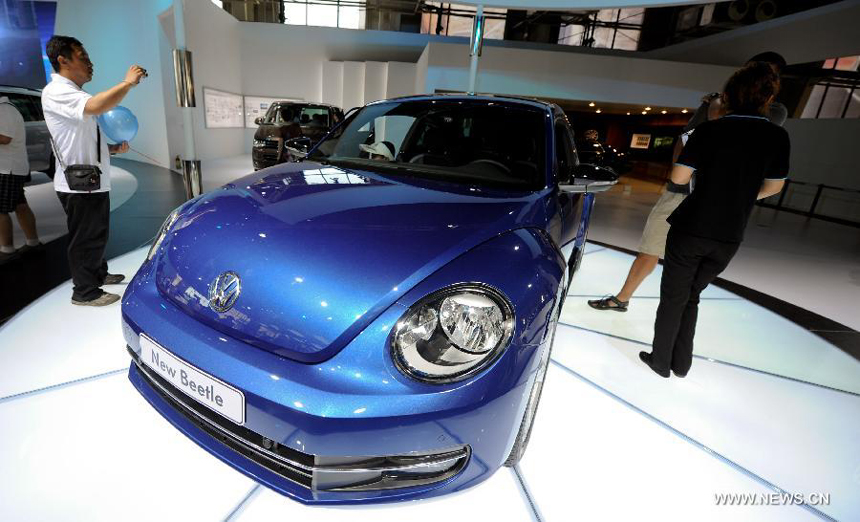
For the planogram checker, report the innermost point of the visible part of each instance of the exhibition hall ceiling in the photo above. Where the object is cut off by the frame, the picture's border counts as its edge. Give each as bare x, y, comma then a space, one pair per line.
577, 4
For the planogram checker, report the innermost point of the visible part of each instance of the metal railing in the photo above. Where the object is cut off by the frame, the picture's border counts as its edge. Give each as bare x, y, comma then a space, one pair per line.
816, 199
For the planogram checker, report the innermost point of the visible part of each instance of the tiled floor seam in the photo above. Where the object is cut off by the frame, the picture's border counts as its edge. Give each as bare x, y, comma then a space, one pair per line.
725, 460
658, 297
716, 361
526, 493
60, 386
240, 507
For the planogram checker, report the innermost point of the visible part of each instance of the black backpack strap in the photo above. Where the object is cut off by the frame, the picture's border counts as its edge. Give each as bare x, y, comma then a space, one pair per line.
98, 143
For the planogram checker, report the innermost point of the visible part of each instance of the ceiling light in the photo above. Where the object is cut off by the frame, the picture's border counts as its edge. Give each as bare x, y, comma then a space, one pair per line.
591, 104
597, 111
662, 112
647, 108
628, 114
684, 111
643, 112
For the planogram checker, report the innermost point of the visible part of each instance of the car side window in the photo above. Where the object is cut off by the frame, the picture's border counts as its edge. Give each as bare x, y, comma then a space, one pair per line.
564, 152
29, 106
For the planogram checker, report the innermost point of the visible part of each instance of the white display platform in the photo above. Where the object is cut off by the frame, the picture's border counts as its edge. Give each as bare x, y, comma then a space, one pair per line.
612, 441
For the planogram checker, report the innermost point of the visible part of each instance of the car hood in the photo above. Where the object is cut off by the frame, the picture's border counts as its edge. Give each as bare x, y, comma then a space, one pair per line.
322, 251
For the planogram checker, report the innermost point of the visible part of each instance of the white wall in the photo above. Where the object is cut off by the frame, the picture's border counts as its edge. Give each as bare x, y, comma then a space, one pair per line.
288, 60
421, 68
213, 37
375, 81
400, 80
115, 38
353, 85
332, 84
571, 75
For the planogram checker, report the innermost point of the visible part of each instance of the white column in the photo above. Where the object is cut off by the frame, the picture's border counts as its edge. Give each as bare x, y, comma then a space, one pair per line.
475, 46
190, 165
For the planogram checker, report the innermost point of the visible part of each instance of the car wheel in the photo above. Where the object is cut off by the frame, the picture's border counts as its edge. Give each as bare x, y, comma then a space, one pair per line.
522, 440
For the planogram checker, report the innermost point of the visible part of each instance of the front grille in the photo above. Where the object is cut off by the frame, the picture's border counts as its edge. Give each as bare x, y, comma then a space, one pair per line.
271, 144
329, 473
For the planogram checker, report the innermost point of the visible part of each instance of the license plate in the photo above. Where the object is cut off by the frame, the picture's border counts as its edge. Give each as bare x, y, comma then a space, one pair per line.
200, 386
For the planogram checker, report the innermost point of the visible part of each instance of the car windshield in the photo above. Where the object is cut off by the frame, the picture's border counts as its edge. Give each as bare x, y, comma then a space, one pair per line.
478, 142
295, 113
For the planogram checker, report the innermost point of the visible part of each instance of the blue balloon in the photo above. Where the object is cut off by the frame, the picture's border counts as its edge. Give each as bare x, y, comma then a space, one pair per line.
119, 124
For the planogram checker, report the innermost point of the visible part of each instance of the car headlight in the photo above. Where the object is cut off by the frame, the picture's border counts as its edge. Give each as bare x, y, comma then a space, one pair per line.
259, 143
452, 334
162, 233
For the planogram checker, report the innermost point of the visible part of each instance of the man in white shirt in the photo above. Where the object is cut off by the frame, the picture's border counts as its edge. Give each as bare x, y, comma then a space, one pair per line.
14, 172
70, 114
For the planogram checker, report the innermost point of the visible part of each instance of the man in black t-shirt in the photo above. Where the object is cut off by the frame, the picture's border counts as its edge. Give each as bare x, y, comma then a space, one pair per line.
738, 159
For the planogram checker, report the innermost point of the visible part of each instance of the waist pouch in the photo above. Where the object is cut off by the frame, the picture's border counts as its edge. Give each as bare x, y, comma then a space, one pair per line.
84, 177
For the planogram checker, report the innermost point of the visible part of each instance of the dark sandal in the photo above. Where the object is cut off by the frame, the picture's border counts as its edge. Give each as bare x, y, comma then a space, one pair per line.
604, 304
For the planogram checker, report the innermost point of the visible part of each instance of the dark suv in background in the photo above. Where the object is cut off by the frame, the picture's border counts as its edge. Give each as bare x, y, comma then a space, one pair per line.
291, 125
29, 104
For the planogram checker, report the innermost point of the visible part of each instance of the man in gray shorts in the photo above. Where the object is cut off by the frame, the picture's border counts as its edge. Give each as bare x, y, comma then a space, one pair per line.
653, 244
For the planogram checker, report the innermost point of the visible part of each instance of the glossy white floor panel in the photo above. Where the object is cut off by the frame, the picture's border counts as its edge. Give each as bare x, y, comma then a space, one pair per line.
498, 498
593, 458
98, 451
52, 341
729, 329
800, 437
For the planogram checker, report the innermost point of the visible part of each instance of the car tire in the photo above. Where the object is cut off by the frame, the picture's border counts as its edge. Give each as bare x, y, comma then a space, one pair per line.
525, 431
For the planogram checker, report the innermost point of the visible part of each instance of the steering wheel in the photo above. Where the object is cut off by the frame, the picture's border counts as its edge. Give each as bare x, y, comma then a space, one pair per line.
417, 158
504, 168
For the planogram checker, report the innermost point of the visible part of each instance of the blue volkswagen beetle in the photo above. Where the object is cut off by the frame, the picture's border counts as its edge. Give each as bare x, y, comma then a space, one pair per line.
373, 323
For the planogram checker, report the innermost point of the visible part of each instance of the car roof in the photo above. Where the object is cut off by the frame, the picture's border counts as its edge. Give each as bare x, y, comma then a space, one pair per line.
314, 104
496, 98
14, 89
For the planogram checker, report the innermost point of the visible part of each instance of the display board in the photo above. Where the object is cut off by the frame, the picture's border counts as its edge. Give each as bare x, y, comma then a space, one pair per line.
223, 110
256, 107
640, 141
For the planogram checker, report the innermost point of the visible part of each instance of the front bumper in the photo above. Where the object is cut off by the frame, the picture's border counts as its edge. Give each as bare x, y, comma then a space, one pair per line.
265, 157
347, 430
314, 472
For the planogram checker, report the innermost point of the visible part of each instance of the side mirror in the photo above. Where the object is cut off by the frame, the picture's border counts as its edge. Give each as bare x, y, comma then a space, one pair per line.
296, 154
302, 144
258, 120
590, 178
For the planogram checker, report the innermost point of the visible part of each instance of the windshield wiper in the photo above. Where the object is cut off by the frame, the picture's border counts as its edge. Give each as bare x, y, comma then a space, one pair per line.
367, 165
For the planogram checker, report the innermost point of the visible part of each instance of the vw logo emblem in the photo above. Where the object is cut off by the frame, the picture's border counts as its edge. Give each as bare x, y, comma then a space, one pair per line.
224, 291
